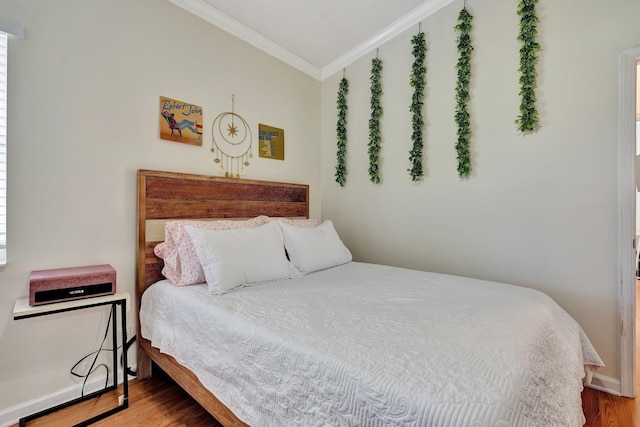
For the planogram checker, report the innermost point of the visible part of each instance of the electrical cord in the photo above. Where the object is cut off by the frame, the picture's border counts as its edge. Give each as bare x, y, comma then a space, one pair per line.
130, 371
93, 366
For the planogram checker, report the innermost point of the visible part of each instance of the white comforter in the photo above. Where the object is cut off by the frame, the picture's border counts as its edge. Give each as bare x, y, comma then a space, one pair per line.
370, 345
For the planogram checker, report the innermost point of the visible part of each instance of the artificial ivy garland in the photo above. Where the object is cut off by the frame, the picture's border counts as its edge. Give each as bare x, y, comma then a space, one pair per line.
341, 129
374, 121
528, 121
418, 72
462, 92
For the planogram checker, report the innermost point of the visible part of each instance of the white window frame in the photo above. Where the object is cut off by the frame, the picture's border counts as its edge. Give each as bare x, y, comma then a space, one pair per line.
3, 147
6, 30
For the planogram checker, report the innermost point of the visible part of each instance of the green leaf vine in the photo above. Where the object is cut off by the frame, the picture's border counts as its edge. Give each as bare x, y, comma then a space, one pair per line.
418, 73
341, 130
374, 121
528, 120
462, 92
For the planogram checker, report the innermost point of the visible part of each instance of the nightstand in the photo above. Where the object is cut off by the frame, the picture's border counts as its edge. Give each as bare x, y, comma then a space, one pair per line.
22, 310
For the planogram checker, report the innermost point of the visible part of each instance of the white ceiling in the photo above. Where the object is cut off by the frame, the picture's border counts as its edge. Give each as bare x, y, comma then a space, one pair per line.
319, 37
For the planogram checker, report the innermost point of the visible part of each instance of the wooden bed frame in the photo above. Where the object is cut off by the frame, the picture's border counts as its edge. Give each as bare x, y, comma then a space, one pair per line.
164, 196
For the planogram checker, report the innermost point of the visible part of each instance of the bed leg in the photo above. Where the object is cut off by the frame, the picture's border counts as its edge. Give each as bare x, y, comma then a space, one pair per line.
143, 368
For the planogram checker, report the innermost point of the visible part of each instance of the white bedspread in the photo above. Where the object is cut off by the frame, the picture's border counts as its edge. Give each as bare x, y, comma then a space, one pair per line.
371, 345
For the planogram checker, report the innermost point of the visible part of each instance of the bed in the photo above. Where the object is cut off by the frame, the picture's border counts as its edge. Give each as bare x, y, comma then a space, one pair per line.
387, 346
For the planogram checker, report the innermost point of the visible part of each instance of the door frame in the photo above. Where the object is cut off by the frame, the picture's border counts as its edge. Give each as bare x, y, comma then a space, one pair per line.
627, 219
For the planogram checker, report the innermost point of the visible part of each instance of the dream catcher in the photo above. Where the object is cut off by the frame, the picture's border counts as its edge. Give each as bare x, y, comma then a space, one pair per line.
231, 143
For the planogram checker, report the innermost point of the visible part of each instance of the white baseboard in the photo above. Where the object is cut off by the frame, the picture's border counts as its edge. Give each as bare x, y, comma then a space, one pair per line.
11, 416
605, 384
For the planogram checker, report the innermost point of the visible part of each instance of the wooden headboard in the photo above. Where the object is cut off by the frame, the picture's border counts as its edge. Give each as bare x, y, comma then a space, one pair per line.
164, 196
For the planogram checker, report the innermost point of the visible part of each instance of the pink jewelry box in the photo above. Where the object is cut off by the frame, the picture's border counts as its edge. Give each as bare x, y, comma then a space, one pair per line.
66, 284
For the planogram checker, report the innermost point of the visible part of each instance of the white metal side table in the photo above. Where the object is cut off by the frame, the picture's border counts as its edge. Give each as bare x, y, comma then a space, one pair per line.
22, 310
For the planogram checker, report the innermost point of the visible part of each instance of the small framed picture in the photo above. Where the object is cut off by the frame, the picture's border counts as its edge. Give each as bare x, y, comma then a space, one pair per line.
180, 121
270, 142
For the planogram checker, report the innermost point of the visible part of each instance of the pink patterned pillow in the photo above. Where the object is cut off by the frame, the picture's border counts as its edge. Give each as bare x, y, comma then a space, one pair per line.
181, 264
311, 222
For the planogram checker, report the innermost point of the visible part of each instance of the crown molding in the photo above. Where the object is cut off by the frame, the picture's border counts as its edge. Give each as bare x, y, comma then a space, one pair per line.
223, 21
407, 21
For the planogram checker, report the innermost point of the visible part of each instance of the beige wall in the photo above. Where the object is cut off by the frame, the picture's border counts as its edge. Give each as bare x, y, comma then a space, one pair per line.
538, 210
83, 116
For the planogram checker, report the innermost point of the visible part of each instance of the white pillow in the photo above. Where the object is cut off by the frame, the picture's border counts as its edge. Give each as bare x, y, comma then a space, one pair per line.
314, 248
232, 258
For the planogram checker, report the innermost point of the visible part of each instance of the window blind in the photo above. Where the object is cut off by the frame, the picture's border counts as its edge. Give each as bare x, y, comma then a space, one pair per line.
3, 148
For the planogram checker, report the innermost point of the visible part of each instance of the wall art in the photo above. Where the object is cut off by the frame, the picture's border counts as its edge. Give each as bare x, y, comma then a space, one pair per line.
341, 131
528, 121
270, 142
231, 142
462, 116
180, 121
375, 139
417, 82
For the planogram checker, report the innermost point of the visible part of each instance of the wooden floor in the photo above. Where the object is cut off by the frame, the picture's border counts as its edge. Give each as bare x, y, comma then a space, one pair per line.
159, 402
605, 410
